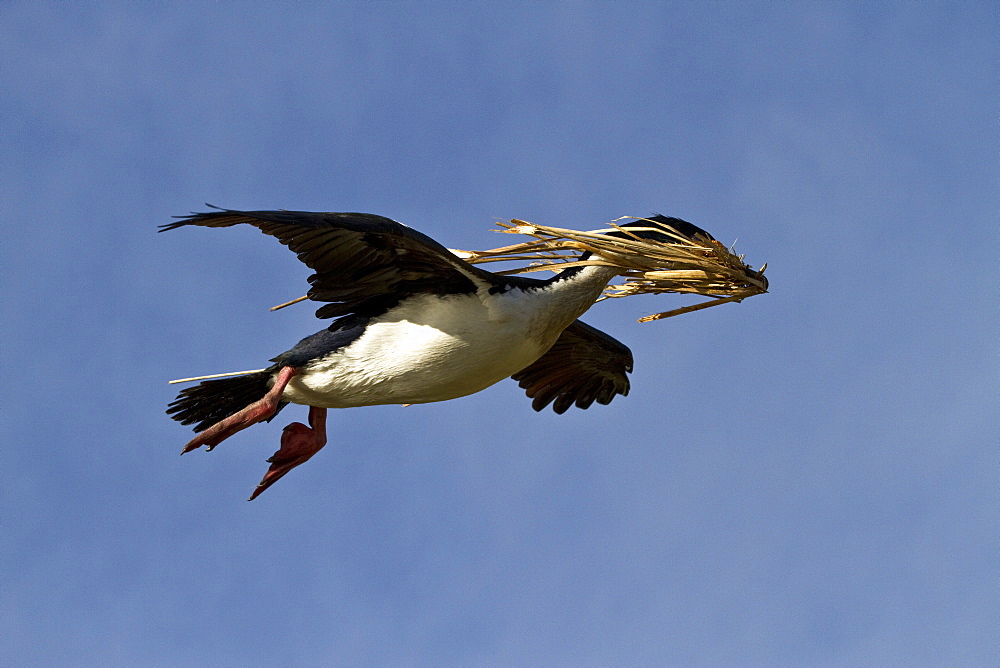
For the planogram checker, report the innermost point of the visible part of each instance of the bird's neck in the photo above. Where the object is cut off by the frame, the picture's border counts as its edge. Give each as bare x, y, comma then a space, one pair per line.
571, 292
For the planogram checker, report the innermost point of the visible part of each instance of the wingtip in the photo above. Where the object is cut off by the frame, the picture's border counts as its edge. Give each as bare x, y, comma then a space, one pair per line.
184, 220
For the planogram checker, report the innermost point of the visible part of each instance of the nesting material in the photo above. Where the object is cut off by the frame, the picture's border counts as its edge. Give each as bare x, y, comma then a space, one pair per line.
214, 375
691, 265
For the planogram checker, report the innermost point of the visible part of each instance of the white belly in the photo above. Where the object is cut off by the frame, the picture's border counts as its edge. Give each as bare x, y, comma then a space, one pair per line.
427, 350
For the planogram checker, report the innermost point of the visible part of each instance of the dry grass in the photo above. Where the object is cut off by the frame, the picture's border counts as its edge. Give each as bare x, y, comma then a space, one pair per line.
687, 265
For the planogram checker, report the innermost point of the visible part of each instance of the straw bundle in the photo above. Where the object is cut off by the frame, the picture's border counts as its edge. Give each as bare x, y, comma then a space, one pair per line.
693, 265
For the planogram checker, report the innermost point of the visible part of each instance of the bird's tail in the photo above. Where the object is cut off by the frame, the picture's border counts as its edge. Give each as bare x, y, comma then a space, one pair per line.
211, 401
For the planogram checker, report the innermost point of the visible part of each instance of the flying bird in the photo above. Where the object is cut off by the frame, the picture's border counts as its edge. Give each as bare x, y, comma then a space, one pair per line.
413, 323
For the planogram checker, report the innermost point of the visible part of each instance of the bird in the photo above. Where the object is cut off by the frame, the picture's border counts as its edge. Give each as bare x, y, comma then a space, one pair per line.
412, 323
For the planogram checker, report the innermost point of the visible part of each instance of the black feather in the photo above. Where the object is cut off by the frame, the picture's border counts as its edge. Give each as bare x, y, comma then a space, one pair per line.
214, 400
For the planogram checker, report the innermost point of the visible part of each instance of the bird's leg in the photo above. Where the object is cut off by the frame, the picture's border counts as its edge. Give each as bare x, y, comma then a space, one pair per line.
258, 411
298, 444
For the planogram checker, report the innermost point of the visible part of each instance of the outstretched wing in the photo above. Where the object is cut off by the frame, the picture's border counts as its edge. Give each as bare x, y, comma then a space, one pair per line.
585, 365
364, 263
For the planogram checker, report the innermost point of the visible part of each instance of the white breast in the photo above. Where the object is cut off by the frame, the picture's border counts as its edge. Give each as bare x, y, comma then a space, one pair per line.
435, 348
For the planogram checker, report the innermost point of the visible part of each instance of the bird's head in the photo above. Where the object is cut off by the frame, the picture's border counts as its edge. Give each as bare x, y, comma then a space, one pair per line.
649, 229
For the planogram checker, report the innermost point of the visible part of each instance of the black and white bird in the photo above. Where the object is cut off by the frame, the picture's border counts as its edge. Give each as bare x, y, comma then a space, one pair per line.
414, 323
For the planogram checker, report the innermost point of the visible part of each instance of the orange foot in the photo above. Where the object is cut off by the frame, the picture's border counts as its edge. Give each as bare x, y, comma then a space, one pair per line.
298, 444
258, 411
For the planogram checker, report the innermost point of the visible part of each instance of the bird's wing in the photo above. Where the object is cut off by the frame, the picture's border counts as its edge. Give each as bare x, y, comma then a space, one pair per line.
585, 365
364, 263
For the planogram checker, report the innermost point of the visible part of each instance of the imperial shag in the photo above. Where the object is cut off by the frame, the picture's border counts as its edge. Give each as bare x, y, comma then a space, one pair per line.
414, 323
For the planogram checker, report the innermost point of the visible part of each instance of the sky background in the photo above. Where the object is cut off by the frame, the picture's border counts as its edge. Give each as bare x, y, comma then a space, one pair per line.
809, 477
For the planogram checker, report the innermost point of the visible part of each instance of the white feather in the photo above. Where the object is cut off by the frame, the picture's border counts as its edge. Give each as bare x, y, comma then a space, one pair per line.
435, 348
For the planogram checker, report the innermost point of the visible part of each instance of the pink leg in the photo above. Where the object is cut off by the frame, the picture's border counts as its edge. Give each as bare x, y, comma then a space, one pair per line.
256, 412
298, 444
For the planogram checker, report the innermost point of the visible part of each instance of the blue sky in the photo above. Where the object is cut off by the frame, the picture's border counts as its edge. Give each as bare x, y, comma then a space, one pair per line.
805, 478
